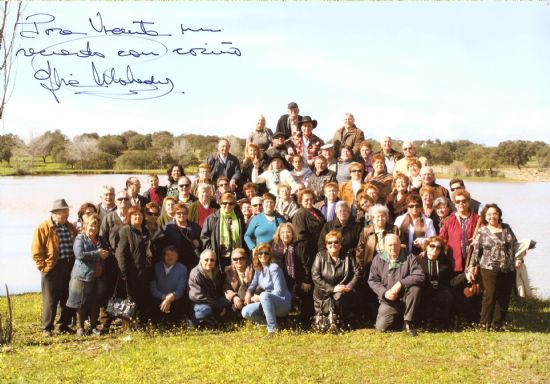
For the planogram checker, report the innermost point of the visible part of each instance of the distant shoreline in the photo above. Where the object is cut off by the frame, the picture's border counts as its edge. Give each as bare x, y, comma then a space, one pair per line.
513, 175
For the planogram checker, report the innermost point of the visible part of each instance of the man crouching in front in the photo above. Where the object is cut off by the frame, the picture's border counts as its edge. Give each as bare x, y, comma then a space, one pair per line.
395, 278
52, 250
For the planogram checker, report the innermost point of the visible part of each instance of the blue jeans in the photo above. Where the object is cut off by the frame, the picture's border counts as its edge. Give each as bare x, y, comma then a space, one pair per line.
204, 311
271, 307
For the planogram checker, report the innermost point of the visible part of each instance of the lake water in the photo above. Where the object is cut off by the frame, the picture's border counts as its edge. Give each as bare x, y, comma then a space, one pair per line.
26, 201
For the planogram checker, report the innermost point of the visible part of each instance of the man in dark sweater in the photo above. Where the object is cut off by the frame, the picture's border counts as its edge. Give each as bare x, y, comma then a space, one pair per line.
396, 278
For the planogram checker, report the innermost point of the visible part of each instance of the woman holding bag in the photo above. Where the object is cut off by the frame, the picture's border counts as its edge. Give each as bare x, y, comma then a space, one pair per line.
89, 250
493, 253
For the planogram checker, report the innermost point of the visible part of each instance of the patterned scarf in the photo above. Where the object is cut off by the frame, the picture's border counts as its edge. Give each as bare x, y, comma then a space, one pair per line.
285, 259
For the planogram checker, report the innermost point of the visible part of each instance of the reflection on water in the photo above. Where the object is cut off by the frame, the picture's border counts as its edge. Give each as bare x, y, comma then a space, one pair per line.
25, 202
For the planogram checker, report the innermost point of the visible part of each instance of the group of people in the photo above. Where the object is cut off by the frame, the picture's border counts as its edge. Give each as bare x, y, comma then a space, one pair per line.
330, 231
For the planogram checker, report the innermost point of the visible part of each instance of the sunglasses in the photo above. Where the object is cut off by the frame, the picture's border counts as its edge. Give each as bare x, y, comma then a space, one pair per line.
455, 188
123, 199
227, 203
333, 242
407, 149
181, 213
414, 206
256, 205
223, 185
433, 246
209, 260
239, 258
184, 185
355, 170
460, 201
263, 253
152, 213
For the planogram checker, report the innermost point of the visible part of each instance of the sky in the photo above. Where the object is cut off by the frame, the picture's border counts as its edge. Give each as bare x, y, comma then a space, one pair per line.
474, 71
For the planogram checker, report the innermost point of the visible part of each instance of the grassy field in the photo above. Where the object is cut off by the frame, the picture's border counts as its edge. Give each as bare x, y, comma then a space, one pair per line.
244, 354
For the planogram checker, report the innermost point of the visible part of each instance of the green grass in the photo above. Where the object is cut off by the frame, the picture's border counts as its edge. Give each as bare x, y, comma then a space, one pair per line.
244, 354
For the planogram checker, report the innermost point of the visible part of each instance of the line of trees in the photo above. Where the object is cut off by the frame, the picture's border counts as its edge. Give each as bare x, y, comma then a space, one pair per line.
132, 150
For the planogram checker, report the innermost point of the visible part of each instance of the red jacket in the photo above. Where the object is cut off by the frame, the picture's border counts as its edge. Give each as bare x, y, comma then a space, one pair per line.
452, 234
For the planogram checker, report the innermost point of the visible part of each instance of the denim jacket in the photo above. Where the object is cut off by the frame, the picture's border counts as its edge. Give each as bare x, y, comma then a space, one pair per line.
86, 257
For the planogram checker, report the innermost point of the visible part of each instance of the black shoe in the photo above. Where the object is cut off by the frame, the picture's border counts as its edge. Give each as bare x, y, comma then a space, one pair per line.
65, 329
409, 327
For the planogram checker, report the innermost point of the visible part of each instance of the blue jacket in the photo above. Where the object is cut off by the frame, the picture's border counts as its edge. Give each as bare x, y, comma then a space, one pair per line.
86, 257
175, 281
271, 279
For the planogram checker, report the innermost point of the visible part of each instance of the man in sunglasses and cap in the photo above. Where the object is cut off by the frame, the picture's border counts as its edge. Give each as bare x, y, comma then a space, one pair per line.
52, 251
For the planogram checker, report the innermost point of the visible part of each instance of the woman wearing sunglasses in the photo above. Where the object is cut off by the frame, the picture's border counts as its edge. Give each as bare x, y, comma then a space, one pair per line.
437, 298
414, 226
275, 300
238, 277
224, 230
334, 276
458, 231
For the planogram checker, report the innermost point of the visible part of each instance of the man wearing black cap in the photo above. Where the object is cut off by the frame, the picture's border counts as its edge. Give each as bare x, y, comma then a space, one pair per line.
290, 122
276, 175
52, 251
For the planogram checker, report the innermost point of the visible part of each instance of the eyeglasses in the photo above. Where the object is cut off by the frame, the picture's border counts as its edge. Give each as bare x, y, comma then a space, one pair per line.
227, 203
263, 253
414, 206
152, 213
123, 199
461, 201
241, 258
333, 242
181, 213
433, 246
184, 185
355, 170
407, 149
209, 260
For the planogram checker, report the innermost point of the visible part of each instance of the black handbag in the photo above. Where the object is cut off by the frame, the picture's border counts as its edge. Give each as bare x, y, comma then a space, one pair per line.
124, 308
327, 322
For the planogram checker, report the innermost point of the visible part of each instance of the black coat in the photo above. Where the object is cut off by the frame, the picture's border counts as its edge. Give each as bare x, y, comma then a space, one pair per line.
210, 234
283, 127
308, 228
182, 239
131, 259
231, 169
326, 275
350, 234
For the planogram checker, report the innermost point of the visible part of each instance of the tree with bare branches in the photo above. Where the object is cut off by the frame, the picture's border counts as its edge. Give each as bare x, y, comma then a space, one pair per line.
10, 13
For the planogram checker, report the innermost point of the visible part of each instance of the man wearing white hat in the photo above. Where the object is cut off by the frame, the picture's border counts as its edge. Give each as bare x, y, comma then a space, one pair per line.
52, 251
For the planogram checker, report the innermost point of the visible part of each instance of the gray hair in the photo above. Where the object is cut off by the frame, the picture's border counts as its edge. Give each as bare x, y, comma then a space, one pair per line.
203, 186
342, 203
377, 209
109, 187
441, 200
207, 252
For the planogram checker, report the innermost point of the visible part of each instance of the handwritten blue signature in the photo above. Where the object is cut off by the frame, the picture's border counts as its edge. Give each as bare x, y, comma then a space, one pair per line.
116, 81
51, 80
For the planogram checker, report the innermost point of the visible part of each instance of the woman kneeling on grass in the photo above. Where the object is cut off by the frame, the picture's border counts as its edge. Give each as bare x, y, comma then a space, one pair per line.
89, 250
275, 300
